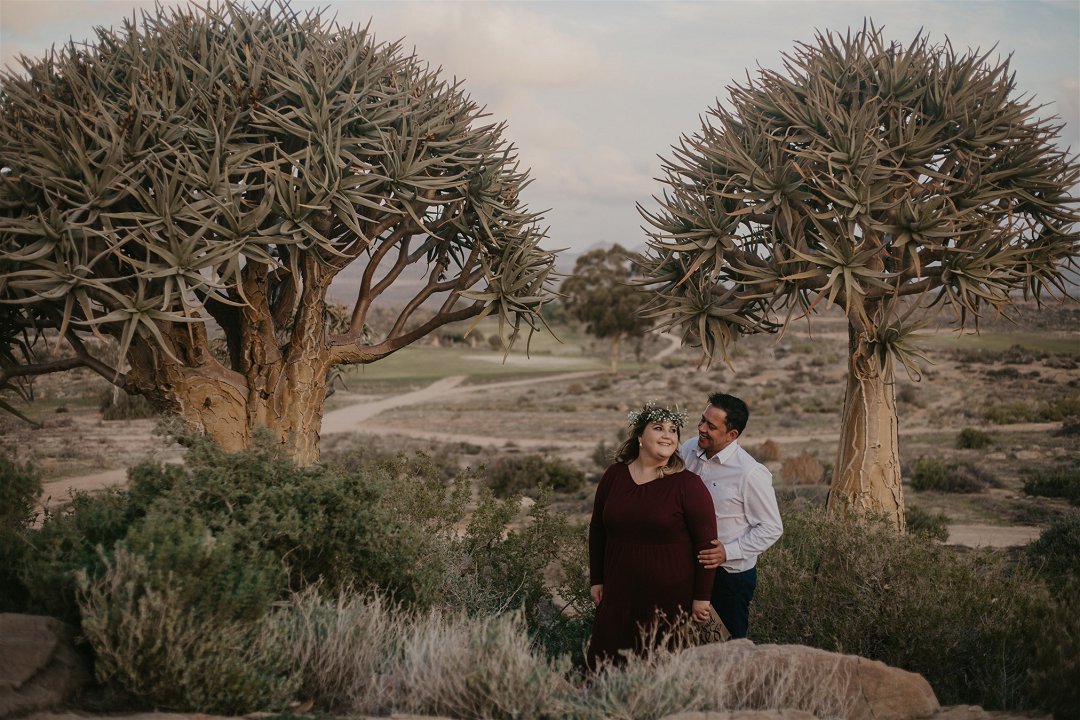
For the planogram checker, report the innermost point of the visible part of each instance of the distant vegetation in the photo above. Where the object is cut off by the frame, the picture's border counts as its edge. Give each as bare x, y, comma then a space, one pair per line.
346, 580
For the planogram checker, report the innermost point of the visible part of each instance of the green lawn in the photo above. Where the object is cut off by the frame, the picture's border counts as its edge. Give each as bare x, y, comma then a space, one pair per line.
998, 341
414, 364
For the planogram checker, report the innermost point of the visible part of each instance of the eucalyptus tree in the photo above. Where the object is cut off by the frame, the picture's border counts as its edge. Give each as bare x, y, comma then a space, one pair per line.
215, 169
599, 293
878, 178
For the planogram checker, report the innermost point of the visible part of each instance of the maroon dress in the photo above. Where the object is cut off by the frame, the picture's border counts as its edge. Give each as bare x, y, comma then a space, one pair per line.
643, 543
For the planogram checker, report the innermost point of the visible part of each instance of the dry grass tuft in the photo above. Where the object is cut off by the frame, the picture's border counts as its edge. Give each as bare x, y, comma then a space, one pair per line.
717, 678
768, 451
802, 469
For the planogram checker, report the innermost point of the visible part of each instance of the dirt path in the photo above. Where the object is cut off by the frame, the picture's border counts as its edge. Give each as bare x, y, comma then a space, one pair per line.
351, 418
995, 536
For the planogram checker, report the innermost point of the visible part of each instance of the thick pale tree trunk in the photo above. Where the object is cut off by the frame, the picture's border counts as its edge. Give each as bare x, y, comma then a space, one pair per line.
222, 406
280, 390
866, 479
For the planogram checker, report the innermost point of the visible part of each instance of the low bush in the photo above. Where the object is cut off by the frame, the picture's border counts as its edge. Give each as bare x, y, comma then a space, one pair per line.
1018, 411
1055, 664
526, 474
969, 622
1070, 427
1060, 482
164, 651
768, 451
191, 560
972, 439
20, 487
1056, 553
802, 469
122, 406
603, 455
931, 525
932, 474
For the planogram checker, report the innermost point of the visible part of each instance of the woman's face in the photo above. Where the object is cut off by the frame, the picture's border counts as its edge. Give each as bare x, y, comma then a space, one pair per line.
659, 439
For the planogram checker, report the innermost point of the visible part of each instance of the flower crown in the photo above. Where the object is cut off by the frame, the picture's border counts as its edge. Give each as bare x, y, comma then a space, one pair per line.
651, 413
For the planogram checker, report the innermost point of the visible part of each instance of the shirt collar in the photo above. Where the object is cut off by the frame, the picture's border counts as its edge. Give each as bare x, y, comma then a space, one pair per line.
723, 456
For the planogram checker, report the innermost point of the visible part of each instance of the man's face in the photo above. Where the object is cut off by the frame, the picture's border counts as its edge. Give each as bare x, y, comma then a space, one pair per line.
713, 432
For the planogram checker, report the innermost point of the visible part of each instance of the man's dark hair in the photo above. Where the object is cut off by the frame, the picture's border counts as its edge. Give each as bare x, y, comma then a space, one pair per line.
735, 409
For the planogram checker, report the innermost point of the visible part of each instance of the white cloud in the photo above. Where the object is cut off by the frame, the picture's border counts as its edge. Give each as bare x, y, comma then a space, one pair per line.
492, 44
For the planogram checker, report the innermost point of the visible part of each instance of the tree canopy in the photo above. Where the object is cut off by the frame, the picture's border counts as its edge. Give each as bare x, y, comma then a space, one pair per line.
599, 293
876, 177
215, 170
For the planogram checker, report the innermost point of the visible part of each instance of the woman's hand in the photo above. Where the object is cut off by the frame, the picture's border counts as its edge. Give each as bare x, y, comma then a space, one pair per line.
597, 592
700, 610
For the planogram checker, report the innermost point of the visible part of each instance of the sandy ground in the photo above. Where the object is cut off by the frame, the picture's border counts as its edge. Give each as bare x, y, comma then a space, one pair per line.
357, 417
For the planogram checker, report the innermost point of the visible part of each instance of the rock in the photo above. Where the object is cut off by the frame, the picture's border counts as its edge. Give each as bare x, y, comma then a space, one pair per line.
818, 681
974, 712
39, 668
745, 715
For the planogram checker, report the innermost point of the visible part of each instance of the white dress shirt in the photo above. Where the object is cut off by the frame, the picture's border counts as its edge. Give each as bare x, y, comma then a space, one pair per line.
747, 519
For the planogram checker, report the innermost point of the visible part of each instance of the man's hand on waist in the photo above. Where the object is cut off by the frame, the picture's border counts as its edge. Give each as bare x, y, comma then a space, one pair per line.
713, 557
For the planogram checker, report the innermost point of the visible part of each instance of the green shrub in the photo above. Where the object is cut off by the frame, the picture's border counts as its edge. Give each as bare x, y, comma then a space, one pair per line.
968, 622
524, 475
603, 455
122, 406
972, 439
163, 651
1056, 553
1070, 427
1062, 482
1058, 409
216, 543
1018, 411
1056, 660
68, 542
493, 569
1007, 413
20, 488
931, 474
930, 525
226, 536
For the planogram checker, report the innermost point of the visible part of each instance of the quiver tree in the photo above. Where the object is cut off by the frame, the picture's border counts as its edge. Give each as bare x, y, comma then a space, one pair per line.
599, 293
877, 178
217, 169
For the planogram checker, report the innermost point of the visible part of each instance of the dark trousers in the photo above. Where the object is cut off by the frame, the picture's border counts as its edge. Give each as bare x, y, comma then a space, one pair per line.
731, 596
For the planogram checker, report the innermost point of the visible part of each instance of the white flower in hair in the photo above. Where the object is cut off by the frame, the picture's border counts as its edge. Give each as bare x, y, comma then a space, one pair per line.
652, 413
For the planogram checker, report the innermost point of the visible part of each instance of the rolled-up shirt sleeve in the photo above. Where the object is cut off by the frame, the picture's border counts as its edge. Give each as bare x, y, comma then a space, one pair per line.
762, 515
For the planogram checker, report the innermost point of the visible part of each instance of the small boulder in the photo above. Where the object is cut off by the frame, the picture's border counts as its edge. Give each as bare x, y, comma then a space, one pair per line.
39, 668
854, 687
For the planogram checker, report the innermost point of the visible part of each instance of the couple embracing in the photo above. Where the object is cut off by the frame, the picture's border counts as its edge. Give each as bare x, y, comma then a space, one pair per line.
676, 529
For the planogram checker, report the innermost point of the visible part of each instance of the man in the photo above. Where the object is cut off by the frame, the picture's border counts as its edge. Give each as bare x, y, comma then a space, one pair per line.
747, 519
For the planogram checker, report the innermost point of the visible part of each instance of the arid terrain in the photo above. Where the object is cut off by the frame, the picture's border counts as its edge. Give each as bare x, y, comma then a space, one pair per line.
1015, 381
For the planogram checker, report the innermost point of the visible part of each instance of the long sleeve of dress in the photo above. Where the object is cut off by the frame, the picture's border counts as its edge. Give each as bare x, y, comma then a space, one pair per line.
701, 523
597, 533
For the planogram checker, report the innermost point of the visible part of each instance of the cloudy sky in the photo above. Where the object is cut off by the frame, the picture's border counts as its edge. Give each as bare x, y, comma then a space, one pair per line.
595, 91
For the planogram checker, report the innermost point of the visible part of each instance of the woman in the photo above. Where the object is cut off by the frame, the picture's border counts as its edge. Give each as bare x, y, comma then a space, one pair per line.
650, 518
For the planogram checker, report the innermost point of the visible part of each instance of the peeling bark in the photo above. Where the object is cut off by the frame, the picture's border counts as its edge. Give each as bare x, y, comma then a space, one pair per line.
866, 478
